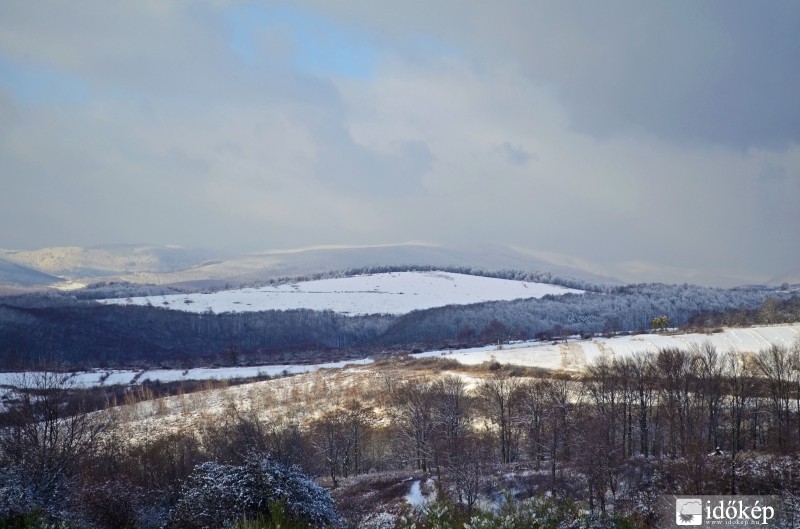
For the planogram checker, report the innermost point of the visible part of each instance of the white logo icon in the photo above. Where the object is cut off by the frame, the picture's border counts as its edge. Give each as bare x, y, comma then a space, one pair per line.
688, 511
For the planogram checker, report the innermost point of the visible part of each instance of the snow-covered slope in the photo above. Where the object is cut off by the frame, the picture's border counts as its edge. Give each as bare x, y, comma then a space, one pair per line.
574, 355
85, 379
391, 293
16, 274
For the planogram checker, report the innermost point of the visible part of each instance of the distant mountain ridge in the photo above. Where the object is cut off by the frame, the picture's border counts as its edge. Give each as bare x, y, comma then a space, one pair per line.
75, 262
193, 268
15, 274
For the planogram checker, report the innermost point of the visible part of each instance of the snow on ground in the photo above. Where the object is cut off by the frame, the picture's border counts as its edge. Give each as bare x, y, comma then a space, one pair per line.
298, 399
108, 378
572, 355
391, 293
415, 497
313, 391
575, 354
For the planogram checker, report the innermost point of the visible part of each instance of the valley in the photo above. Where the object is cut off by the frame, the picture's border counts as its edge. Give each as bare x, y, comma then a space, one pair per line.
390, 397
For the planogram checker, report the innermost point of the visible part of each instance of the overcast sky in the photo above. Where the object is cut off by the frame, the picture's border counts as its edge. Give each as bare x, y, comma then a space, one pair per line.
652, 138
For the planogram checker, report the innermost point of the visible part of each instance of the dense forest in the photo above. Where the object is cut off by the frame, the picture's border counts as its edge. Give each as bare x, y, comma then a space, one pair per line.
74, 330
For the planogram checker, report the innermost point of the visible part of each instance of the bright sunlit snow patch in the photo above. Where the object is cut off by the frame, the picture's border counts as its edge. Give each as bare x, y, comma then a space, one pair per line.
575, 354
391, 293
86, 379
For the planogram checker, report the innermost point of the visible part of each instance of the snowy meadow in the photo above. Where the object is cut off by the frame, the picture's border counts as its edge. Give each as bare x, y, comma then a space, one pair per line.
391, 293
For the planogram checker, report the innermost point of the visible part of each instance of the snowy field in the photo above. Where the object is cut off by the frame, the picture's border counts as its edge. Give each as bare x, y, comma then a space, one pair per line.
393, 293
112, 377
576, 354
571, 356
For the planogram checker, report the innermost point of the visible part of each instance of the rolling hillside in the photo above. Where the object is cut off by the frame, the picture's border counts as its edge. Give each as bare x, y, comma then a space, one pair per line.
571, 356
15, 274
390, 293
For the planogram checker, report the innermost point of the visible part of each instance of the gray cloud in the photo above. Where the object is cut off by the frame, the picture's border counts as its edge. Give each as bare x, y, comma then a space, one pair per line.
772, 173
513, 154
719, 72
666, 137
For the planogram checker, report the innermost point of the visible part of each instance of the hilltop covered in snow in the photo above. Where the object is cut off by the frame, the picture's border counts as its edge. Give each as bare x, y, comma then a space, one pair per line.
388, 293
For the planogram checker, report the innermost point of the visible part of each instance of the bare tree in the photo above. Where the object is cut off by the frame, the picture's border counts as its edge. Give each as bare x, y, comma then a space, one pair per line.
451, 416
640, 368
468, 469
741, 388
624, 370
451, 409
532, 398
602, 385
559, 420
709, 370
332, 442
48, 430
672, 368
779, 365
415, 417
602, 453
596, 460
358, 420
497, 395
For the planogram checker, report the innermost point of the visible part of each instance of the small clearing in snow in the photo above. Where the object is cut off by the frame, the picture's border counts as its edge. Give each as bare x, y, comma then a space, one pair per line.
415, 498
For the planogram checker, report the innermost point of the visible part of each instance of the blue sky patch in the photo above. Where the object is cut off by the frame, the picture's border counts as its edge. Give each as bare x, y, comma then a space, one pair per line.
319, 45
41, 86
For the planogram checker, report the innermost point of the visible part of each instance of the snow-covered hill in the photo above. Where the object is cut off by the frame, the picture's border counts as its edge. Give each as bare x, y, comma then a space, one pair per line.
110, 260
390, 293
13, 273
574, 355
